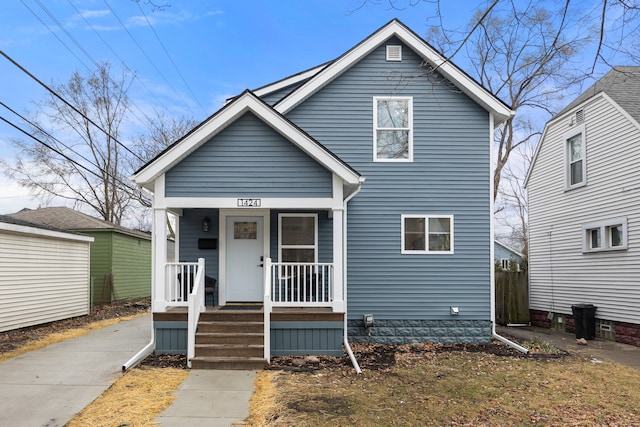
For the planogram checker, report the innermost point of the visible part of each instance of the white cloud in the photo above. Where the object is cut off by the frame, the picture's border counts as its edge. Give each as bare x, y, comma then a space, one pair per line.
88, 14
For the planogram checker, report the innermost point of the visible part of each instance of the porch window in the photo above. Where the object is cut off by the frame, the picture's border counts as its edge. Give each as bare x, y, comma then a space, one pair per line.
392, 129
427, 234
298, 238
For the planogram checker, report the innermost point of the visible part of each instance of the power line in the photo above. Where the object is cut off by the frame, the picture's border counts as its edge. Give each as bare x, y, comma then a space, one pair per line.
145, 55
171, 59
24, 70
135, 76
75, 41
54, 34
123, 187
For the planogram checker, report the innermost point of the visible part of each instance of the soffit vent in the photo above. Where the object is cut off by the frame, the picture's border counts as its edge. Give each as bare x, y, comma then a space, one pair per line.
394, 52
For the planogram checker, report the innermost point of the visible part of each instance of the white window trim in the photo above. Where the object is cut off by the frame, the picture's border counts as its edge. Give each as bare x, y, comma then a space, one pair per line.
315, 233
409, 158
605, 235
426, 243
579, 130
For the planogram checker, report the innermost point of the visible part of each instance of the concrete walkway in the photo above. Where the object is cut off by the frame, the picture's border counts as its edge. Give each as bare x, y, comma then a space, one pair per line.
47, 387
210, 398
598, 349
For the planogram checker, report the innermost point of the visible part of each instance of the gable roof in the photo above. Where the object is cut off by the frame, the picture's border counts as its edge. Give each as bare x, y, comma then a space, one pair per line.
246, 102
64, 218
621, 85
16, 225
428, 53
499, 243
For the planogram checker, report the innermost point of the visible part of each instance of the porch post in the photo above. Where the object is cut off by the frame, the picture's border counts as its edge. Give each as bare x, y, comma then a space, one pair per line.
159, 257
338, 259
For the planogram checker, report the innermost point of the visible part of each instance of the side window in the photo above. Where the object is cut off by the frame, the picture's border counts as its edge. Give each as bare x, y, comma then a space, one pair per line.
423, 234
576, 165
607, 235
392, 129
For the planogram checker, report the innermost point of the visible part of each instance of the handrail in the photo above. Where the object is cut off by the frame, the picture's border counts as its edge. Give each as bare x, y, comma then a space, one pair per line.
267, 310
196, 306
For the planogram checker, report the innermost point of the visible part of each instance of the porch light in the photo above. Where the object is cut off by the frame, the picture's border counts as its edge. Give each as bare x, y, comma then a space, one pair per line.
205, 224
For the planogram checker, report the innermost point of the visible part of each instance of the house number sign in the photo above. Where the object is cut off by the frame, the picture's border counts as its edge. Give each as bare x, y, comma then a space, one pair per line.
249, 203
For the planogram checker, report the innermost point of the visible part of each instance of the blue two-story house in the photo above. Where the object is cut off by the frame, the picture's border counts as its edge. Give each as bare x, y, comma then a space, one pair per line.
349, 202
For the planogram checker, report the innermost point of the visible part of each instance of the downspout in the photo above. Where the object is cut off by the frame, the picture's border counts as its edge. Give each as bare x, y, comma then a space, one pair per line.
142, 354
354, 362
492, 275
151, 346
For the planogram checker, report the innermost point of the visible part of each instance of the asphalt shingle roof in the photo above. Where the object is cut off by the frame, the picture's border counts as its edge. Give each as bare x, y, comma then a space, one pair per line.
622, 84
68, 219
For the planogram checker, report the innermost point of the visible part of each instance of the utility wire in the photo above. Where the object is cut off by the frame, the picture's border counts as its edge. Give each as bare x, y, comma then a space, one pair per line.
54, 34
171, 59
75, 41
54, 93
124, 64
91, 162
146, 56
122, 186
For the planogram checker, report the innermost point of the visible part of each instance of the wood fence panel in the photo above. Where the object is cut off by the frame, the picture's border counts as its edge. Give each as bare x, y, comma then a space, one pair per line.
512, 297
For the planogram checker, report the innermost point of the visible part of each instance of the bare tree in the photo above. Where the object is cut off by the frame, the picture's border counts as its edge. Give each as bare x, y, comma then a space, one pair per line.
162, 131
524, 55
88, 164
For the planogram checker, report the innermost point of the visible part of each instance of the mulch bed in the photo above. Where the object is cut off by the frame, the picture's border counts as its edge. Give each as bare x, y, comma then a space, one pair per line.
370, 356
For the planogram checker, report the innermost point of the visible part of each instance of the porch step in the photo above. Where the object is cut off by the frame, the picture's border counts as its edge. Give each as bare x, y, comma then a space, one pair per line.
230, 350
232, 363
230, 339
231, 327
226, 338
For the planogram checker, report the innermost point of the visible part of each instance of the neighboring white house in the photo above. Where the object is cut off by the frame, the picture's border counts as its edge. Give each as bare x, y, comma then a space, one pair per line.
584, 210
44, 274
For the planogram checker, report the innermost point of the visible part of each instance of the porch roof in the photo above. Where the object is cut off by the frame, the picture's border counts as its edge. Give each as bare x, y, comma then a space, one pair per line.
246, 102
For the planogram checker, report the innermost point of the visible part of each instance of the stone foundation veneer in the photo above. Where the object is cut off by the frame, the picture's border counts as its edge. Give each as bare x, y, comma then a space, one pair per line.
407, 331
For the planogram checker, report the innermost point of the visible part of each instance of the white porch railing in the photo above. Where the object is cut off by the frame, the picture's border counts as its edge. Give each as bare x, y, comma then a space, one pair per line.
301, 284
180, 279
196, 306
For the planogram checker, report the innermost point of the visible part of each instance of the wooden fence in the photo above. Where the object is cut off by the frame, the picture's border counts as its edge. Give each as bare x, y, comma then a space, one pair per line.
512, 297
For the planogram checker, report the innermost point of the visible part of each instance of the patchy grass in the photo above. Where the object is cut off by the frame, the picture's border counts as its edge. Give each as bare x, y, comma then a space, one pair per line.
452, 388
134, 400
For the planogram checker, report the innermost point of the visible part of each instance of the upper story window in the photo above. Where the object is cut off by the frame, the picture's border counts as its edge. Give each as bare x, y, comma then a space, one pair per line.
607, 235
427, 234
576, 163
392, 129
298, 238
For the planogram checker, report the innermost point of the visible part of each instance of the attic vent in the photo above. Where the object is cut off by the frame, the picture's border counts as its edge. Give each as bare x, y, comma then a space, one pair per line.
394, 53
580, 116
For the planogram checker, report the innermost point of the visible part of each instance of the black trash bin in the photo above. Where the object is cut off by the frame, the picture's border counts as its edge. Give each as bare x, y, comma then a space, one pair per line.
584, 318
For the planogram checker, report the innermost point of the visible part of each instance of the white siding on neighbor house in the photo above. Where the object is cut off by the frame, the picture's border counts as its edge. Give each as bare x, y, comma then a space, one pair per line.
560, 273
42, 279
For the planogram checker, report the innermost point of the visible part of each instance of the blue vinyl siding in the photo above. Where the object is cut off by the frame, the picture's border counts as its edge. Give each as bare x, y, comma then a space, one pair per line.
450, 175
248, 159
191, 231
273, 97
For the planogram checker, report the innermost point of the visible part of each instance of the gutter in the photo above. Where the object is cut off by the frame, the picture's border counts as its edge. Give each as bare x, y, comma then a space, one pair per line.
354, 362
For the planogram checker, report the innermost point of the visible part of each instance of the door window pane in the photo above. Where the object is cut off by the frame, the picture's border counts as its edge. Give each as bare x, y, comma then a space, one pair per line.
245, 230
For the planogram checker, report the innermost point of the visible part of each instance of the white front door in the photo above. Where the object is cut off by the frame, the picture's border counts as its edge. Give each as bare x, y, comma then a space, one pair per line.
245, 249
